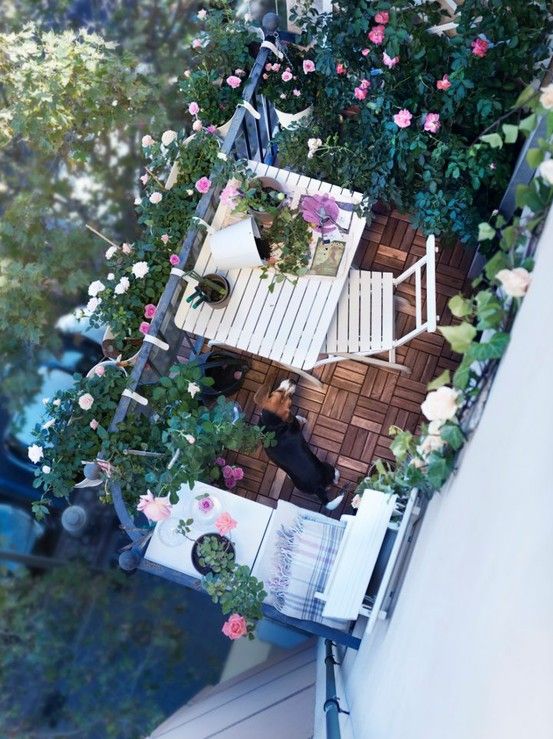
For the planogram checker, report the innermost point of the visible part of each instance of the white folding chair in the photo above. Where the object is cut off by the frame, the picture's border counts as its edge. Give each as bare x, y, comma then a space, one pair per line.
363, 324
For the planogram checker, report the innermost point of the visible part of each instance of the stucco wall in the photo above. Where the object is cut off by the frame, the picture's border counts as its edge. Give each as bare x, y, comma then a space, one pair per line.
468, 653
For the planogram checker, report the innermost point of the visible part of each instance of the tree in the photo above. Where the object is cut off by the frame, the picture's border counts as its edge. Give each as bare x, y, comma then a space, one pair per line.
74, 105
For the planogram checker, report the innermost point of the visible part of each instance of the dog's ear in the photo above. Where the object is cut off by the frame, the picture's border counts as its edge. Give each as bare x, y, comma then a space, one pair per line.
262, 393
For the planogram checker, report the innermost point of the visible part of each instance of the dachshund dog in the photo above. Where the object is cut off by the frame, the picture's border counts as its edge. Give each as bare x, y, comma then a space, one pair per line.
291, 452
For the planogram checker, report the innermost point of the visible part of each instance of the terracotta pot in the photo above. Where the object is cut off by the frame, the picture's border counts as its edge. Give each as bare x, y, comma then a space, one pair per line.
287, 120
195, 556
263, 218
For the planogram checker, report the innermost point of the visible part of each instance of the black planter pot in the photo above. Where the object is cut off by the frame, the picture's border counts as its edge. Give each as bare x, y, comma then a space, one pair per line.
226, 370
195, 556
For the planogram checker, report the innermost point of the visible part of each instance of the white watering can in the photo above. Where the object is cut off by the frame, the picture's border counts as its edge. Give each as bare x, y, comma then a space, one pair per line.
234, 247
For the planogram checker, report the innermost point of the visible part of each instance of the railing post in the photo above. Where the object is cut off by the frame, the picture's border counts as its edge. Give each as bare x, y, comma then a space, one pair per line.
331, 704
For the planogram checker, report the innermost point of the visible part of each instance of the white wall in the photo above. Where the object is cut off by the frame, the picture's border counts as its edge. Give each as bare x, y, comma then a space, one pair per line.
468, 653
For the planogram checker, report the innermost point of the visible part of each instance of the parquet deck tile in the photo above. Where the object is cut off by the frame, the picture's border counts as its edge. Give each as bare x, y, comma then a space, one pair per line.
349, 417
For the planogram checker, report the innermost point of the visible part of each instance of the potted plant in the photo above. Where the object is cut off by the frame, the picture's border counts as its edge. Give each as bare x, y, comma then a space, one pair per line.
291, 85
290, 238
212, 553
261, 197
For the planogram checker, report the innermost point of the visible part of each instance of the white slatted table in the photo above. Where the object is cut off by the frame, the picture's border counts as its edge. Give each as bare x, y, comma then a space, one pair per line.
289, 325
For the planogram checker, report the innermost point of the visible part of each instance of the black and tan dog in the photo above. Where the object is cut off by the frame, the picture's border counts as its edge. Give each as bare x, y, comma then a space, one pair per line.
291, 452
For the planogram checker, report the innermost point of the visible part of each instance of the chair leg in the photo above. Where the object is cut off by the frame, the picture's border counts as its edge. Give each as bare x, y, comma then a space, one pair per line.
389, 365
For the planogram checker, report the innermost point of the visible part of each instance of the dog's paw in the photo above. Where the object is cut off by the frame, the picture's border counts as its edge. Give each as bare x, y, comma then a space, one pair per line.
301, 420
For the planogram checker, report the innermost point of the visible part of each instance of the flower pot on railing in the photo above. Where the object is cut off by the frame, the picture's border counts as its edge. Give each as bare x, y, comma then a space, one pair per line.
224, 128
237, 246
128, 354
287, 120
100, 367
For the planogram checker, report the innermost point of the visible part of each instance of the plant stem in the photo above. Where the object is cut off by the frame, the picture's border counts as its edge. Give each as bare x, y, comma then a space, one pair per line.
105, 238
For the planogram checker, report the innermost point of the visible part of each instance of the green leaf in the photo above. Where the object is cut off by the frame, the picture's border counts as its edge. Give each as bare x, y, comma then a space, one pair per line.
460, 306
442, 379
452, 435
528, 124
497, 262
492, 349
459, 337
525, 96
462, 374
535, 157
485, 232
437, 471
493, 139
489, 310
510, 132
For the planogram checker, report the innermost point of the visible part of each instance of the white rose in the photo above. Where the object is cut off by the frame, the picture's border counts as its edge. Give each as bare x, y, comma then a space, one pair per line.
356, 501
46, 469
430, 443
95, 287
515, 282
35, 453
147, 140
167, 137
545, 171
197, 125
122, 286
111, 251
222, 155
48, 424
546, 97
193, 388
189, 438
137, 200
155, 198
111, 276
86, 401
93, 304
140, 269
440, 404
202, 14
56, 402
45, 401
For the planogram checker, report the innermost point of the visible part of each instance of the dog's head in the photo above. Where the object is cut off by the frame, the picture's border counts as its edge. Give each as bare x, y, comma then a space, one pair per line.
278, 401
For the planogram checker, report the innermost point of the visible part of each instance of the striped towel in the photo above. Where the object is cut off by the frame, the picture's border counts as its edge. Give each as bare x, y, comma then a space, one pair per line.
303, 554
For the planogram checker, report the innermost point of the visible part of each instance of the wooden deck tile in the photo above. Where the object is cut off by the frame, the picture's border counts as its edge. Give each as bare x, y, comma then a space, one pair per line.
349, 417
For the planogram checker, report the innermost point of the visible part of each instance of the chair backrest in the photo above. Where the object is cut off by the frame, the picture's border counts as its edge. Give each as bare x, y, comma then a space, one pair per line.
428, 263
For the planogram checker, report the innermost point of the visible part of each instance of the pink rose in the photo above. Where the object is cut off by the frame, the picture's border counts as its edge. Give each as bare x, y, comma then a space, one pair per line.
86, 401
376, 34
99, 370
340, 68
432, 122
196, 44
238, 473
165, 238
149, 310
403, 118
94, 424
220, 462
365, 52
144, 327
225, 523
206, 504
389, 61
360, 93
364, 84
287, 76
297, 93
308, 66
197, 125
240, 72
480, 47
155, 509
382, 17
193, 108
174, 259
444, 83
265, 76
126, 248
275, 67
233, 81
211, 128
268, 67
203, 184
229, 195
227, 471
235, 626
144, 178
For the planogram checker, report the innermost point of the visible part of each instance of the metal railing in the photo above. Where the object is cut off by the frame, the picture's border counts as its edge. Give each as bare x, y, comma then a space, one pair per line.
332, 702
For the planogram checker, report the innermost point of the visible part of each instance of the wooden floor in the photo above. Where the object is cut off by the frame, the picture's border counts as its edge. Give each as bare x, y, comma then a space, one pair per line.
348, 419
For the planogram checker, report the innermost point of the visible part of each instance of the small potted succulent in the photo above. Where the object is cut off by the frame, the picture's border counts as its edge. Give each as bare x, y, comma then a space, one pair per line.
291, 84
261, 197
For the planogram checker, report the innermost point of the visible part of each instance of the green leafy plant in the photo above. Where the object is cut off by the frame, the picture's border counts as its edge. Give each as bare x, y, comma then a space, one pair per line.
216, 99
291, 83
232, 585
289, 237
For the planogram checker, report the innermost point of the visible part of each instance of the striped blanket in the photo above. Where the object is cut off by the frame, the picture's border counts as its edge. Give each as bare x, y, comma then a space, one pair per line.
303, 553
